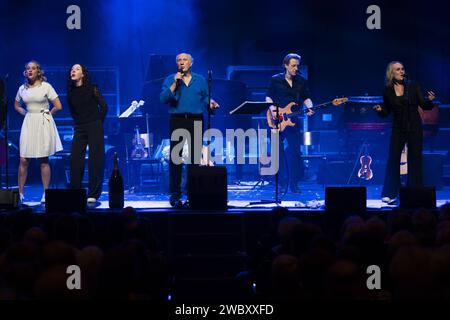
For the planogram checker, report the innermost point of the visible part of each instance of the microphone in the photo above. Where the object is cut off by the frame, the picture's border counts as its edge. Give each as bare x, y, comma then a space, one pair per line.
182, 75
405, 80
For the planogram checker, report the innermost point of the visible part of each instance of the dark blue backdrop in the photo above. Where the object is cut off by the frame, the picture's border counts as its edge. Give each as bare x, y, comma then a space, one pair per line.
343, 56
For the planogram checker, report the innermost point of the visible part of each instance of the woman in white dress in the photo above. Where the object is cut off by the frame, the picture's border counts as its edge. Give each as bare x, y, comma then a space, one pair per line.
39, 137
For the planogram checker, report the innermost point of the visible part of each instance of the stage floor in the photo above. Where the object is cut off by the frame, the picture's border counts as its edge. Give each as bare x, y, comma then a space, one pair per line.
239, 197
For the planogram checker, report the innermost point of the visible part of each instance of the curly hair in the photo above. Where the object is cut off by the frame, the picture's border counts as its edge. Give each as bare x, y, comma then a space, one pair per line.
40, 76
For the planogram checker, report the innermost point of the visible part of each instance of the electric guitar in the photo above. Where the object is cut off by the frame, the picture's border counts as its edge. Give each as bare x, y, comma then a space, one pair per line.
286, 114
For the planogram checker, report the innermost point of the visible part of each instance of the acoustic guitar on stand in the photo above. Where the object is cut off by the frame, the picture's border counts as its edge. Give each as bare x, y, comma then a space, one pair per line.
286, 114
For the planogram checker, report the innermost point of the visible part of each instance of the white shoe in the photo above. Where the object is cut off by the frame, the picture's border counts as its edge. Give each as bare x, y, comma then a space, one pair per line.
388, 200
91, 200
21, 198
43, 198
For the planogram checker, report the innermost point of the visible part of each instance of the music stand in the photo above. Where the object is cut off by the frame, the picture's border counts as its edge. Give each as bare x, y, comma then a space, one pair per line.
251, 107
133, 112
255, 108
131, 109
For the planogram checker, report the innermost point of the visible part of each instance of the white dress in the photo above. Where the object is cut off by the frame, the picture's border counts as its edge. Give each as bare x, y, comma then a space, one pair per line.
39, 137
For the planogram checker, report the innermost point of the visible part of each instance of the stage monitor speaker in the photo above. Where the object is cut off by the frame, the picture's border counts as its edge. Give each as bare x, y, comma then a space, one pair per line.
65, 200
9, 199
346, 199
207, 187
418, 197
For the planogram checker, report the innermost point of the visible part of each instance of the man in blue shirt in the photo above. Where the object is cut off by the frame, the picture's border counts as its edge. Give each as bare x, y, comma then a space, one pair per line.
186, 93
284, 88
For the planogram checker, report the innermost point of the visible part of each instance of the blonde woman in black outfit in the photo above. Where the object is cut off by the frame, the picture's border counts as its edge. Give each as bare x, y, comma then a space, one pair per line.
88, 109
402, 98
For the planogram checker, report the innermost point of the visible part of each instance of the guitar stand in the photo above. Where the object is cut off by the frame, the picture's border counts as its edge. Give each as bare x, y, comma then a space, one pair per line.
261, 180
131, 186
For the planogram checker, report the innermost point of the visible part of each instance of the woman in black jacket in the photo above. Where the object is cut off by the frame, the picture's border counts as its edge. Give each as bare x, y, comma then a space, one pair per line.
402, 98
88, 109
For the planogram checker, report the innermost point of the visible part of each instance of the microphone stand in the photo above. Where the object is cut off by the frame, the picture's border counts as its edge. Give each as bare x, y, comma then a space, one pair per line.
277, 201
209, 115
148, 136
127, 160
277, 126
406, 85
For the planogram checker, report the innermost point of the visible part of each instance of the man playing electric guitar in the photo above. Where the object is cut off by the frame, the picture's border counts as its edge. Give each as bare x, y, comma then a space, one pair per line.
285, 88
283, 117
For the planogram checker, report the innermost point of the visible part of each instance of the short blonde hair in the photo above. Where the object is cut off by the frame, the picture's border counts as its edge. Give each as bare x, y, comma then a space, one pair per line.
390, 73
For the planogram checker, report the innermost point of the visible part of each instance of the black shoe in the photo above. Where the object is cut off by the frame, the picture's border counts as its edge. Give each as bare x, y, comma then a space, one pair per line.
177, 204
175, 201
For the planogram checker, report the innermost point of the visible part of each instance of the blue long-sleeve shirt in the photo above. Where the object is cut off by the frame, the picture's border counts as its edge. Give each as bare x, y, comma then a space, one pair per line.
186, 99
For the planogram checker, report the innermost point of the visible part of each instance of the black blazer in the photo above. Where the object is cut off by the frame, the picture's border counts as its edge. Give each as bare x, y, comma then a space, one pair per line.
404, 109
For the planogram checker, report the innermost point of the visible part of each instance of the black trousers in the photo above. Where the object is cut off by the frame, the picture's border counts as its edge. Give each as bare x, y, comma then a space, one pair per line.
291, 164
88, 134
184, 121
414, 139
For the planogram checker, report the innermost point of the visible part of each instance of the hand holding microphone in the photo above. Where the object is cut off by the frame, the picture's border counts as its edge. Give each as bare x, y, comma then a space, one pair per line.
178, 76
